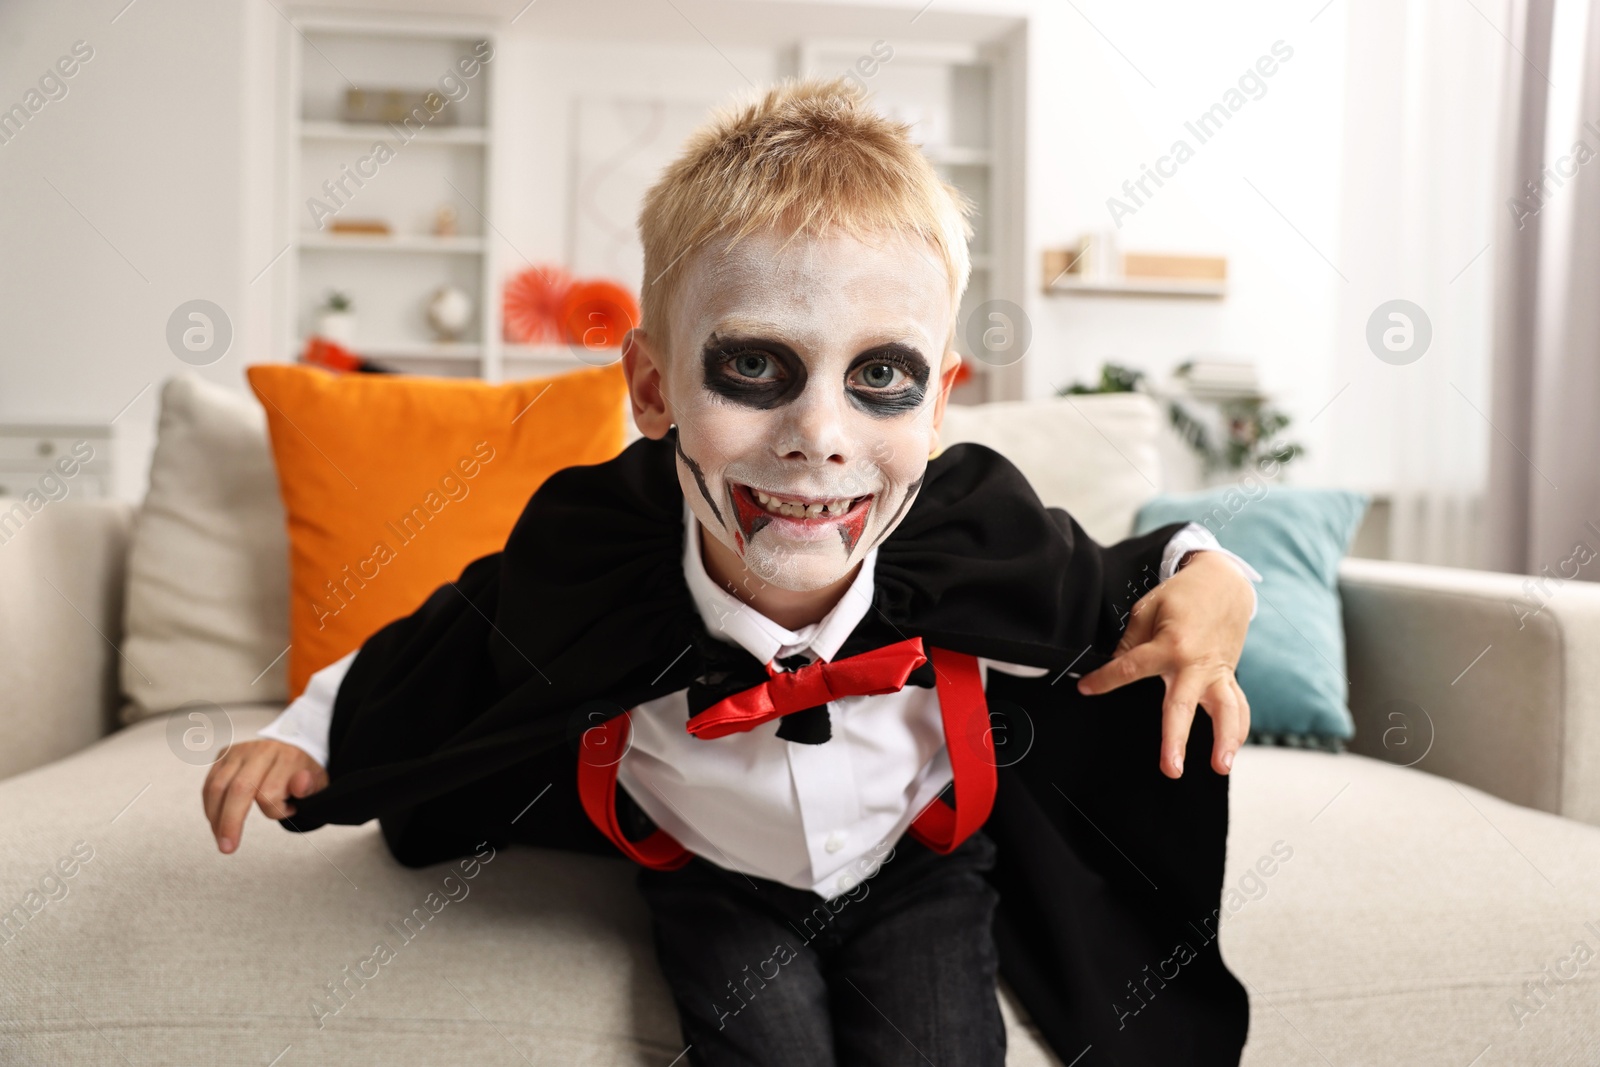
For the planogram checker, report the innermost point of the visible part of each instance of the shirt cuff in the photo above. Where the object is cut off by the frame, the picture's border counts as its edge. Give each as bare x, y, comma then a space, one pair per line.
1195, 537
306, 722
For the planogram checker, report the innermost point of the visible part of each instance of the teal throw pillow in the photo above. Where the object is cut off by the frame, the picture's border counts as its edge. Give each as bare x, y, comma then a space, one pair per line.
1292, 669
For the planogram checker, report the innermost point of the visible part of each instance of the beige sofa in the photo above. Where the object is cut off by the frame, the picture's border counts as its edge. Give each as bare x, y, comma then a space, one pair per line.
1443, 913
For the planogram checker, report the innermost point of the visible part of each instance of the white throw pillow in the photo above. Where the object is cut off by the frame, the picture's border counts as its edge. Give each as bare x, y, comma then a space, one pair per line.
1096, 456
207, 615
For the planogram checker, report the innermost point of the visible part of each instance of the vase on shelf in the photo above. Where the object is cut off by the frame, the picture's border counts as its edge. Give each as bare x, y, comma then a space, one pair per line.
449, 312
336, 320
337, 326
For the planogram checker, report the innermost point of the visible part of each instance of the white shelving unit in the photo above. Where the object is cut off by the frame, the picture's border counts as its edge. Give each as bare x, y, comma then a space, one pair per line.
390, 278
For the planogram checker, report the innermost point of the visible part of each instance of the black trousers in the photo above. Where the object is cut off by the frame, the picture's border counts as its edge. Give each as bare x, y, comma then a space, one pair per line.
899, 970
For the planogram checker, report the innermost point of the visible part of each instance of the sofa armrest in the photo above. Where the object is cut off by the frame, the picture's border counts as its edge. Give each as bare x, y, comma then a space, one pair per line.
1499, 673
61, 587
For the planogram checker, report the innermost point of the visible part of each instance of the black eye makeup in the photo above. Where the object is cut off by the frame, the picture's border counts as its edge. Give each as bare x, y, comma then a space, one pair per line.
762, 373
888, 379
755, 372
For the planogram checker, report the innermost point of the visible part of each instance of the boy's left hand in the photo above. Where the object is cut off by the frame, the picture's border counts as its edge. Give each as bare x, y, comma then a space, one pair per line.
1189, 630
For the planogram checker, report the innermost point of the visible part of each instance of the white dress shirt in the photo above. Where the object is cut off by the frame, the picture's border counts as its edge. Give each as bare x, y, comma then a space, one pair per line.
818, 817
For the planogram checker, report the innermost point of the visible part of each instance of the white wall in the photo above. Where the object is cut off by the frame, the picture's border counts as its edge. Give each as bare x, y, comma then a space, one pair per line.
146, 152
164, 144
1098, 117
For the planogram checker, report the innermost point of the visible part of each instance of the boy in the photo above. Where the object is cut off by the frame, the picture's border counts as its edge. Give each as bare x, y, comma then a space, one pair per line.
793, 640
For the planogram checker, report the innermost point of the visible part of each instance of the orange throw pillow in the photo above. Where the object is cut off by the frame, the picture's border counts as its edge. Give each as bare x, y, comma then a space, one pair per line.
393, 484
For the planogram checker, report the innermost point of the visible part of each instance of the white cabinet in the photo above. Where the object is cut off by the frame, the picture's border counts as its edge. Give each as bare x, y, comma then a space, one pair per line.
55, 461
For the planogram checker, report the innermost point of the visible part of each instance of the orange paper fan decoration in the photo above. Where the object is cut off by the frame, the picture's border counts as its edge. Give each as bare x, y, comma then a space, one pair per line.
595, 314
532, 305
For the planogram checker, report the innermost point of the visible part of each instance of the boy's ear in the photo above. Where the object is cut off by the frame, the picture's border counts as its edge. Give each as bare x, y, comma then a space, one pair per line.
644, 369
947, 381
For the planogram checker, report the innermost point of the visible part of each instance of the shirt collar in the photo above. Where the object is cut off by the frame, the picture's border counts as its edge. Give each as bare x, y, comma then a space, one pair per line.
731, 619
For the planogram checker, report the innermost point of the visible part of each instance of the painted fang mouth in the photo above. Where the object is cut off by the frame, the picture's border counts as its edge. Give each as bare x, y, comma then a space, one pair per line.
755, 509
798, 509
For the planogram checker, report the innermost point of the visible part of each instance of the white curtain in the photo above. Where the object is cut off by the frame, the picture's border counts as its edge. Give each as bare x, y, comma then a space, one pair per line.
1424, 95
1544, 487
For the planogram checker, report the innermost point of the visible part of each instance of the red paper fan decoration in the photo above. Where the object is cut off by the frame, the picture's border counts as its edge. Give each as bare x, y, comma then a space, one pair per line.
532, 305
595, 314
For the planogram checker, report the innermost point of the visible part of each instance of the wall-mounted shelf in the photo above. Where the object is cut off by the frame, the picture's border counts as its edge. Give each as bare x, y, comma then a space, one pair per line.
1149, 287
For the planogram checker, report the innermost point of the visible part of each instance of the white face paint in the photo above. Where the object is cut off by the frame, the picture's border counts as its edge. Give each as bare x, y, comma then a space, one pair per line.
803, 384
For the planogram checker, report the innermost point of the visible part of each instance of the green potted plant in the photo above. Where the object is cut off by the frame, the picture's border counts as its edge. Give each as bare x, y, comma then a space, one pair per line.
1236, 432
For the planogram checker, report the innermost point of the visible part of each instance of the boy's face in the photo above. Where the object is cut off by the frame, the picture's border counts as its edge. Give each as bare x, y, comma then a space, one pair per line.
807, 386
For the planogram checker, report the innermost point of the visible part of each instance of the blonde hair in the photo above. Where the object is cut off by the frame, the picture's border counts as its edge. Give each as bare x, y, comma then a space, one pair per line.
806, 157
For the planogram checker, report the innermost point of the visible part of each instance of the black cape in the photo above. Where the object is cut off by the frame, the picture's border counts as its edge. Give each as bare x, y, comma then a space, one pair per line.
459, 724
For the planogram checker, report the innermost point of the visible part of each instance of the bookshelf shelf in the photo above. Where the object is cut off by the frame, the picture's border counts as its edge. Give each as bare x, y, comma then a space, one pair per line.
366, 132
350, 242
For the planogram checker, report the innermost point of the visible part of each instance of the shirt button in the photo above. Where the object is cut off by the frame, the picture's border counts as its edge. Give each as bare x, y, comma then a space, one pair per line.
834, 842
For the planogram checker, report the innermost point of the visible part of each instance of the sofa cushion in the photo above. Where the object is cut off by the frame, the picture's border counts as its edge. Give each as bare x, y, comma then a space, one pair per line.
171, 952
1292, 669
1418, 921
1095, 456
392, 484
208, 564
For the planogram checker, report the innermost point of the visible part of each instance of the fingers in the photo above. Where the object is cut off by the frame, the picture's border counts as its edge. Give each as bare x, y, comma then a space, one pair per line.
1139, 633
215, 790
216, 782
239, 795
1244, 707
304, 782
1141, 622
274, 789
1230, 718
1229, 722
1177, 715
1143, 661
230, 794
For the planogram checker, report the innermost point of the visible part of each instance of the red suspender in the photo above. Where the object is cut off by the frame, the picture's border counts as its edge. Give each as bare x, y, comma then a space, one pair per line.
970, 740
600, 750
968, 737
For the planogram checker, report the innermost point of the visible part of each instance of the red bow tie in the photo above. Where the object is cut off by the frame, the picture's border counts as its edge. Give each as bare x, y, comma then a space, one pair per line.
883, 670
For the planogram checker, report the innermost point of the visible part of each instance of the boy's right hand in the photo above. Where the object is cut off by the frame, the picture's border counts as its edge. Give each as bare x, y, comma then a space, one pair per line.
263, 771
